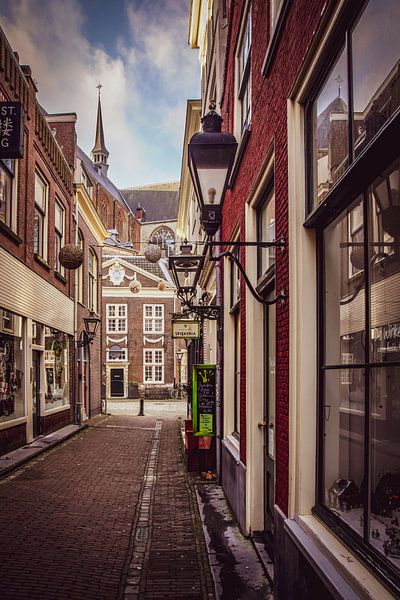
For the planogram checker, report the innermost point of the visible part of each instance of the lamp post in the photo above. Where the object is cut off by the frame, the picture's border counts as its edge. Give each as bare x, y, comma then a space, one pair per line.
179, 357
211, 154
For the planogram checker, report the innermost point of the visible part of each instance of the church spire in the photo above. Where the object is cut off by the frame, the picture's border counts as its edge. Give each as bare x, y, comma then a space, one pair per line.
100, 152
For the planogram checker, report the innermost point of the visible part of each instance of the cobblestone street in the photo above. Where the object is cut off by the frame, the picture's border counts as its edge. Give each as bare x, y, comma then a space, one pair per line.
107, 514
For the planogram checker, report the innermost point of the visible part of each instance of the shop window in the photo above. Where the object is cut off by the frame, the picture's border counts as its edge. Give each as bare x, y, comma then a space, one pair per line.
56, 366
79, 272
8, 193
153, 318
59, 240
40, 222
348, 111
12, 402
117, 318
243, 77
92, 281
360, 372
154, 366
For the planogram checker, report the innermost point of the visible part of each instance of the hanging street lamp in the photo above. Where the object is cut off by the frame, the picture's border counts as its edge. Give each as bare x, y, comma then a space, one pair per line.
186, 269
211, 154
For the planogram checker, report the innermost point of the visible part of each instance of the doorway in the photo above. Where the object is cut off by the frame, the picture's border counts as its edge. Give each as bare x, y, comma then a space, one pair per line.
36, 385
117, 384
269, 420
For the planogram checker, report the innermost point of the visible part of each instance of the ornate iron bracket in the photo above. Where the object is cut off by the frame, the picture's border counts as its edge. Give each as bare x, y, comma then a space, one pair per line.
207, 311
282, 296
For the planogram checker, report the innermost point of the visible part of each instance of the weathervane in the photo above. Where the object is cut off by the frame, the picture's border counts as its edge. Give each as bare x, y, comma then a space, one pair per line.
339, 80
99, 88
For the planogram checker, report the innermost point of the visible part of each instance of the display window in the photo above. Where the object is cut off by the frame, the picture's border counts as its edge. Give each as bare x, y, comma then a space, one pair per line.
12, 405
56, 367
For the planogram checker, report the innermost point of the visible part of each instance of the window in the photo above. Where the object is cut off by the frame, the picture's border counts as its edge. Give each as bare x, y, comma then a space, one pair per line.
8, 193
79, 272
153, 366
117, 318
12, 400
348, 111
87, 182
266, 233
40, 223
116, 353
92, 275
243, 61
59, 240
235, 313
56, 365
153, 318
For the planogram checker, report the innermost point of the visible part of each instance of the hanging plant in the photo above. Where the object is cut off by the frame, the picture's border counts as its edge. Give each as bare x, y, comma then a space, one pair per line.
71, 256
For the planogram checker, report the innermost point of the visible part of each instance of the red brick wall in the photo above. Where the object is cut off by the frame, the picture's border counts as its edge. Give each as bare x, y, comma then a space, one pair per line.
269, 128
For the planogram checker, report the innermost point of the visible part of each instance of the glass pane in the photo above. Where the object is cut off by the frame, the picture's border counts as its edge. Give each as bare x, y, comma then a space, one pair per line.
344, 295
384, 526
11, 368
56, 365
5, 196
40, 192
376, 76
330, 130
343, 421
385, 266
267, 233
59, 217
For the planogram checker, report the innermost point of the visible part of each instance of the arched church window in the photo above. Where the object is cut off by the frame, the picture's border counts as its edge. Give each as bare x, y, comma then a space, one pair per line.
164, 237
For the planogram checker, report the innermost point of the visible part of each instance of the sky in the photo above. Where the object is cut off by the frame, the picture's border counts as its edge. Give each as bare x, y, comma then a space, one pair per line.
137, 50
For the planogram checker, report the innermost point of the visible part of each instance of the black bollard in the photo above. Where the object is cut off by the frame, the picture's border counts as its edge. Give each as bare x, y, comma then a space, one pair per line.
141, 408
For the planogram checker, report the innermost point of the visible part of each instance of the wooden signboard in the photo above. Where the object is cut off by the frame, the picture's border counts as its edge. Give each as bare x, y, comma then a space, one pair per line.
204, 399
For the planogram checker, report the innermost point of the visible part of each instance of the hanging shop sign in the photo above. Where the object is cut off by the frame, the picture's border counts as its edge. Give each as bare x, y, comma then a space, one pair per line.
185, 329
204, 393
11, 130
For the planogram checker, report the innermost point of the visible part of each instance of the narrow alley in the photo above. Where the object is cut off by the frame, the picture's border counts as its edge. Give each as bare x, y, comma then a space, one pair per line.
109, 513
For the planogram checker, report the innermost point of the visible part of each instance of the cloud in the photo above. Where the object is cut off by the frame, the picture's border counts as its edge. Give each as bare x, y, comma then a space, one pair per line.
146, 79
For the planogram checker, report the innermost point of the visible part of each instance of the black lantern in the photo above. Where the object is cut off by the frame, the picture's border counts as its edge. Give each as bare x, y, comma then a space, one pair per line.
211, 154
91, 325
186, 269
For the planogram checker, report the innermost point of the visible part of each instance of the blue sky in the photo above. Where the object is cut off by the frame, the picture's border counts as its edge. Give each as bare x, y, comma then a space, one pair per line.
137, 50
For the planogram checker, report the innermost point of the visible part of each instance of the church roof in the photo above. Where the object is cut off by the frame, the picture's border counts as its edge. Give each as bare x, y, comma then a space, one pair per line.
101, 179
159, 204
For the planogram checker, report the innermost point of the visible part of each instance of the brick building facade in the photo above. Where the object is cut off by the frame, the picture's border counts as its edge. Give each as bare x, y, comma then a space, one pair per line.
307, 444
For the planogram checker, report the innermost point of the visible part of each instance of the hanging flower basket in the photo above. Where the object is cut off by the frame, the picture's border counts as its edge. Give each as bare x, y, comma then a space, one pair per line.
152, 253
71, 256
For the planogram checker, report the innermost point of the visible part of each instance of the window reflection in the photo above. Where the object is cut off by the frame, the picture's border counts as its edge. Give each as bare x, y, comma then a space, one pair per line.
56, 365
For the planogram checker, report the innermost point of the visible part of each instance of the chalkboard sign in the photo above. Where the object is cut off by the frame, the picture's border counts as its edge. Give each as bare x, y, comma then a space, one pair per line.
204, 399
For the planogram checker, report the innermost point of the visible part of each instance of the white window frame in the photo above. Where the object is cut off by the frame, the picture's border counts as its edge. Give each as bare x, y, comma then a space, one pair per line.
9, 172
41, 209
243, 76
92, 282
117, 360
121, 320
153, 364
59, 235
149, 321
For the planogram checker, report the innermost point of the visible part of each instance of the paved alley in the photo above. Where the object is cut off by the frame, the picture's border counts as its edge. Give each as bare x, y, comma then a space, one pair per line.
108, 514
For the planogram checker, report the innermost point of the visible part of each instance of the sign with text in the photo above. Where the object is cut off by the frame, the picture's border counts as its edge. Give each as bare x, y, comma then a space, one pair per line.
185, 329
204, 391
11, 130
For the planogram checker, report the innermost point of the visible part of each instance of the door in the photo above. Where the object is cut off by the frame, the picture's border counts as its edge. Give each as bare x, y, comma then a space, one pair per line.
36, 392
117, 383
269, 420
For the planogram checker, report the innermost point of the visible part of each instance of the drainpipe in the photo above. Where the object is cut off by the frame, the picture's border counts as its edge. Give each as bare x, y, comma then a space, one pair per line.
219, 362
78, 412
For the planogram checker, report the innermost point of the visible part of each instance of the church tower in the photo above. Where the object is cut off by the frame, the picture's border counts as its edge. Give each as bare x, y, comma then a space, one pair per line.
100, 152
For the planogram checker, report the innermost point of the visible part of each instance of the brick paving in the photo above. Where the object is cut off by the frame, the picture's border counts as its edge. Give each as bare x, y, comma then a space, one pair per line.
68, 519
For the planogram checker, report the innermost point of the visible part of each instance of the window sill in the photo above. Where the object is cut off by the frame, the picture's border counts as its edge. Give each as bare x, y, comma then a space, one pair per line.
340, 570
10, 233
13, 422
275, 37
231, 443
60, 277
52, 411
42, 262
81, 304
239, 155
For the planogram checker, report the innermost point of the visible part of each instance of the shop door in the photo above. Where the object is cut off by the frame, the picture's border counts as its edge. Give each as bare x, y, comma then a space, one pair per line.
269, 421
117, 383
36, 392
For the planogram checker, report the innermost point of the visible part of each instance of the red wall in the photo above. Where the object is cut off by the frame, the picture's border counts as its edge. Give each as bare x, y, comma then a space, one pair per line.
269, 129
